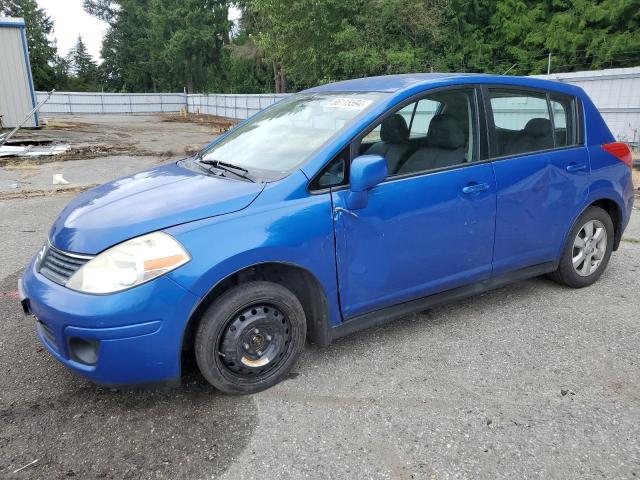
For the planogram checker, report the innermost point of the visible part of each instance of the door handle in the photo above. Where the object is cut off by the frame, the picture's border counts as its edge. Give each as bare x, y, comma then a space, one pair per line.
475, 188
338, 210
576, 167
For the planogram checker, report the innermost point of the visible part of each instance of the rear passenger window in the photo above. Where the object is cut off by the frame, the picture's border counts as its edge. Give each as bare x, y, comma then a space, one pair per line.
522, 122
562, 109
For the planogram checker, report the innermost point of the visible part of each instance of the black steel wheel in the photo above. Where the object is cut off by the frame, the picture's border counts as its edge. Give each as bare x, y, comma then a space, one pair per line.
250, 337
255, 341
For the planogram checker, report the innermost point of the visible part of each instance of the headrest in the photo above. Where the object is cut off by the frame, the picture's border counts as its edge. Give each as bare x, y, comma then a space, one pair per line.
445, 132
394, 129
537, 127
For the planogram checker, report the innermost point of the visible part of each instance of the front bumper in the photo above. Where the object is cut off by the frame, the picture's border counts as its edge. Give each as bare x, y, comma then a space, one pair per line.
137, 333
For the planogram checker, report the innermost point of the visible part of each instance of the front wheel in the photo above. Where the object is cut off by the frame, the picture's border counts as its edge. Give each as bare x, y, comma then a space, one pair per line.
250, 337
587, 251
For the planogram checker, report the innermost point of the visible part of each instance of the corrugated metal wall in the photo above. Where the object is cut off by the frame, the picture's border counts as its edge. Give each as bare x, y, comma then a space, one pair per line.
232, 106
16, 89
129, 103
616, 93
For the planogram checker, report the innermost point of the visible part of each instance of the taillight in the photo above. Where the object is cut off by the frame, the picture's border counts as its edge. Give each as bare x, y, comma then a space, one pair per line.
620, 151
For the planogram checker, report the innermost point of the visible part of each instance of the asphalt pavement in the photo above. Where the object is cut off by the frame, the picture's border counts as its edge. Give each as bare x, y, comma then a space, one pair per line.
529, 381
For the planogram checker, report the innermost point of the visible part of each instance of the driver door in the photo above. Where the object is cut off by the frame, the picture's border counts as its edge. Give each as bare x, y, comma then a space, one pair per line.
428, 227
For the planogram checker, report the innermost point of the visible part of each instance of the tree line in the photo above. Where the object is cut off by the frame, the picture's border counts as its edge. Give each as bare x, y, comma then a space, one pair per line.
287, 45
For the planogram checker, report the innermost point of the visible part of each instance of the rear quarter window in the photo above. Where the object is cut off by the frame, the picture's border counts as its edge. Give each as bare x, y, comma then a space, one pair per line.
563, 110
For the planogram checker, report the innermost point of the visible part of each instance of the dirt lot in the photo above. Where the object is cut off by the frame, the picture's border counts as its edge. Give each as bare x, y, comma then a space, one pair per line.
164, 135
102, 148
529, 381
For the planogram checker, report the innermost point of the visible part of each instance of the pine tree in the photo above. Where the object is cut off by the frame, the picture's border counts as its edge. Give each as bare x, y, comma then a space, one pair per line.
82, 67
163, 45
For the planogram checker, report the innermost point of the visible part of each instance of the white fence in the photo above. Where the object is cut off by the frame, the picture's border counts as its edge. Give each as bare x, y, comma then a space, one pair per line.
616, 93
131, 103
231, 105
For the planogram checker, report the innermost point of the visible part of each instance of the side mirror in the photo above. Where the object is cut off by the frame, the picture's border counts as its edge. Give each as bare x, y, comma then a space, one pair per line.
367, 171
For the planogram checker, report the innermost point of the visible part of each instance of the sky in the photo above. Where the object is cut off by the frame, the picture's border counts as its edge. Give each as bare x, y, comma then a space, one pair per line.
70, 20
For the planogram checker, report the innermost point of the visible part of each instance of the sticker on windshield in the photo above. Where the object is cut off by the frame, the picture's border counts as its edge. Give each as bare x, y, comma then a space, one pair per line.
349, 103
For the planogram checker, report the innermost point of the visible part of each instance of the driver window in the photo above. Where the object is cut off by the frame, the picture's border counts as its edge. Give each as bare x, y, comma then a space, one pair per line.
438, 131
425, 110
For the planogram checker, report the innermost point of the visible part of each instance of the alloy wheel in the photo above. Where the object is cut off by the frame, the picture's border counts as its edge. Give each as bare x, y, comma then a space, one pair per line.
589, 247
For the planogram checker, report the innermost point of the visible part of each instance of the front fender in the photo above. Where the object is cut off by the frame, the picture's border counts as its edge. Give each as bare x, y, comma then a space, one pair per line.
296, 232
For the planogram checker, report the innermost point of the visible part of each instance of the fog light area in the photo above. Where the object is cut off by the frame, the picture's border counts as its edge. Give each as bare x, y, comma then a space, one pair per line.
84, 351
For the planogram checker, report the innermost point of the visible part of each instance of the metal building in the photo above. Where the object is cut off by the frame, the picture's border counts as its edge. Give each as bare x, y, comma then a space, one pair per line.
616, 93
17, 96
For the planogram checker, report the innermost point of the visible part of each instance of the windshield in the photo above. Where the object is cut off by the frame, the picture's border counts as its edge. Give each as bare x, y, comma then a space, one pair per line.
279, 139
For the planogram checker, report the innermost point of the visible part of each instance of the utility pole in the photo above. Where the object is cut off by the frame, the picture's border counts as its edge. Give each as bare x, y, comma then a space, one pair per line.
549, 65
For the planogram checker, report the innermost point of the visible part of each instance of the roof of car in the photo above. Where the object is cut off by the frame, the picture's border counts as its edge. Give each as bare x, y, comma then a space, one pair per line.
393, 83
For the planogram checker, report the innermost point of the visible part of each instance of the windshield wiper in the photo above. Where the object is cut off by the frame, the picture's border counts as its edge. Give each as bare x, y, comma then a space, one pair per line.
203, 167
227, 167
216, 163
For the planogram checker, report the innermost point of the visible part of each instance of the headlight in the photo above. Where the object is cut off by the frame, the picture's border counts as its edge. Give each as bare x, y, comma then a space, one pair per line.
129, 264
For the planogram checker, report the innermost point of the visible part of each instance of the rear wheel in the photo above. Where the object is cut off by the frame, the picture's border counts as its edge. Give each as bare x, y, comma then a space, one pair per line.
587, 251
250, 337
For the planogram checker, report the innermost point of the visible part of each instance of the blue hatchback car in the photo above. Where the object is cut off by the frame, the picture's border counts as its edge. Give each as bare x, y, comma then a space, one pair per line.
338, 208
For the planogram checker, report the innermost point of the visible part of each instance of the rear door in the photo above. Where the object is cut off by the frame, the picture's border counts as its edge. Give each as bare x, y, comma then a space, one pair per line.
541, 174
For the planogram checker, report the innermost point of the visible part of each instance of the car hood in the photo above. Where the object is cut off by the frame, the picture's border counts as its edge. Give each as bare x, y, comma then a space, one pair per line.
144, 202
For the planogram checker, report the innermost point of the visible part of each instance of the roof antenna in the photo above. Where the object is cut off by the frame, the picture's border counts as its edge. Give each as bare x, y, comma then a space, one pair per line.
510, 68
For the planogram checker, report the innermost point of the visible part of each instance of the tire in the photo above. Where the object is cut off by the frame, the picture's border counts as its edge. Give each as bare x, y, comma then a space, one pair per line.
591, 258
250, 337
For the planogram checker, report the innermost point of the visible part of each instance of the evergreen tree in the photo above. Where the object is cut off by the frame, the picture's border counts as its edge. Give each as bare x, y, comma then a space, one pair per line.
309, 42
187, 38
497, 35
163, 45
82, 67
285, 45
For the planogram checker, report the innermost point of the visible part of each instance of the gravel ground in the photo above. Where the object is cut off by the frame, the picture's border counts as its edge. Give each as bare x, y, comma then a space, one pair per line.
117, 145
529, 381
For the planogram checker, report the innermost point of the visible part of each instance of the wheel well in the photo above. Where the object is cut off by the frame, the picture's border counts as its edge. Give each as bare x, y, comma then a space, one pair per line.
302, 283
612, 208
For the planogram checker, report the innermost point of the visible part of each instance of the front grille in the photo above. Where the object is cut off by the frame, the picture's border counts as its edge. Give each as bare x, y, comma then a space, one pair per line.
47, 333
58, 266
